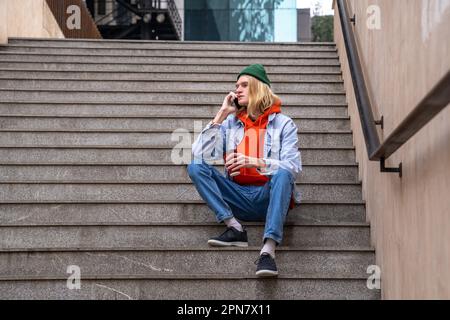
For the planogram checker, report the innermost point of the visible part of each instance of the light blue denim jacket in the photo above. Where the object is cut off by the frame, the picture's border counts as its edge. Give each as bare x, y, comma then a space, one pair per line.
280, 145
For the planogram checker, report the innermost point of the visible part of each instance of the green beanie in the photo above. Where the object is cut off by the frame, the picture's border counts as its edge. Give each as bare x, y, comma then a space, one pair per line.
257, 71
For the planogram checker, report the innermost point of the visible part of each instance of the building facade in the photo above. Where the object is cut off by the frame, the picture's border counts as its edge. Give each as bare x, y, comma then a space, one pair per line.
200, 20
240, 20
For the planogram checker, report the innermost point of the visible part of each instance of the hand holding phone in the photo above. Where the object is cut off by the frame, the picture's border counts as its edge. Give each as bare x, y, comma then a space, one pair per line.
228, 107
229, 104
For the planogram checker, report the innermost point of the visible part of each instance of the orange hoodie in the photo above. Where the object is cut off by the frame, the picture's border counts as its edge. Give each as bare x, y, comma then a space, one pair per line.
252, 144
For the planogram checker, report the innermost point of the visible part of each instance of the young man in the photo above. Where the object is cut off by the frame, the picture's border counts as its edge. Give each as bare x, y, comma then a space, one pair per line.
259, 147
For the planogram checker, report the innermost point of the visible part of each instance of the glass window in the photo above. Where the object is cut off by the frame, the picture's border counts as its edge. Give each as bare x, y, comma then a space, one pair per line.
241, 20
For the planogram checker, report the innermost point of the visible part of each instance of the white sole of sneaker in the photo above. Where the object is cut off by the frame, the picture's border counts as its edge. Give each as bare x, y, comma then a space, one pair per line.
266, 273
217, 243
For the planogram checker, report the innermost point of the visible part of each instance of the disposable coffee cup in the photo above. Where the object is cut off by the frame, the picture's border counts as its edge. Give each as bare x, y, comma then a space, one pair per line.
235, 173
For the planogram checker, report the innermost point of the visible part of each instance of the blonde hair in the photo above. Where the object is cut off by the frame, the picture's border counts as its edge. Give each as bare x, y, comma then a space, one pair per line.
260, 97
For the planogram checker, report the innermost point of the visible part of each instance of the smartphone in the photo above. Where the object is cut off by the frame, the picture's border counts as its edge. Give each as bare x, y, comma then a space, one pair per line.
236, 103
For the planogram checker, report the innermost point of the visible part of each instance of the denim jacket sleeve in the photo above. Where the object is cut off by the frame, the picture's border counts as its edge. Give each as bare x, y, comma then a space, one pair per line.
289, 156
209, 145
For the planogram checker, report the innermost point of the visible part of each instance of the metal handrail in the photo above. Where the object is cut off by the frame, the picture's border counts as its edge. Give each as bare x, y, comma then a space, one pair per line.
436, 100
175, 17
361, 93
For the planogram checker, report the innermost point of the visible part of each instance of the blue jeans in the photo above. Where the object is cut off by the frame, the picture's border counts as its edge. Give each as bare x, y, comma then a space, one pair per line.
228, 199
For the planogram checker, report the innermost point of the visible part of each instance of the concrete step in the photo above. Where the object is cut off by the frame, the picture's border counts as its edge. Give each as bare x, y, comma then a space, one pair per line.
115, 213
80, 66
93, 156
162, 76
138, 86
172, 45
306, 263
158, 236
30, 123
149, 52
150, 173
239, 61
183, 109
190, 287
87, 174
155, 96
148, 192
149, 139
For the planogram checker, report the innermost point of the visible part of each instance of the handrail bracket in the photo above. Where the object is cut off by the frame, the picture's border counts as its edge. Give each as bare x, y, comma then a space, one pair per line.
392, 170
380, 122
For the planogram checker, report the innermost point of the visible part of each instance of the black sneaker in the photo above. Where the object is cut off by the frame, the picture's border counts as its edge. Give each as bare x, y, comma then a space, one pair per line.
231, 237
266, 266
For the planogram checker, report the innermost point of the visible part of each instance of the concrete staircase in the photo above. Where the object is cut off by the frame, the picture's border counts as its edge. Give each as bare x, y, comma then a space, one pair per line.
86, 176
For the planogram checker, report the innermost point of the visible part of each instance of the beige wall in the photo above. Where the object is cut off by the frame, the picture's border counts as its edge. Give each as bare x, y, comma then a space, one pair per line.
410, 217
3, 23
27, 18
